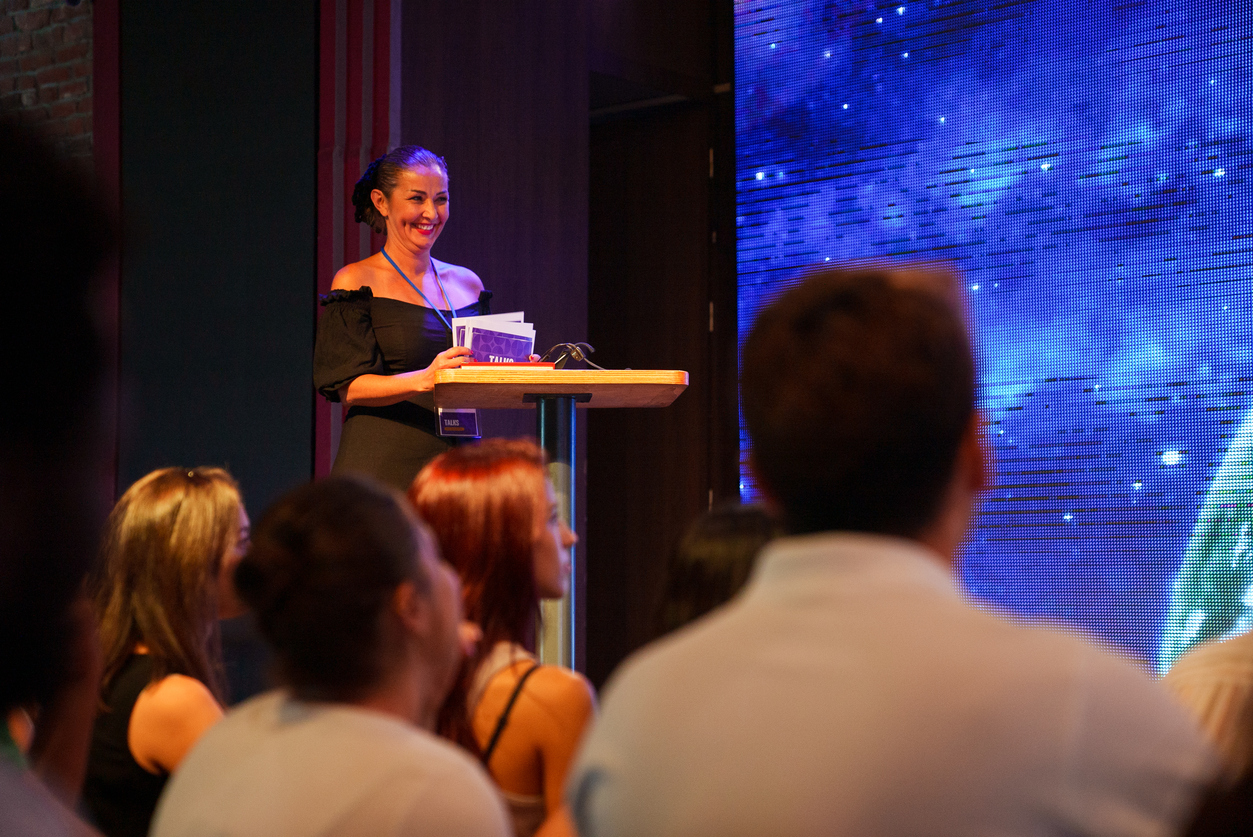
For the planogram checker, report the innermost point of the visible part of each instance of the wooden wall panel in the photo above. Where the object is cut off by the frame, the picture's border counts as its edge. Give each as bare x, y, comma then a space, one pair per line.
649, 297
499, 88
662, 263
357, 123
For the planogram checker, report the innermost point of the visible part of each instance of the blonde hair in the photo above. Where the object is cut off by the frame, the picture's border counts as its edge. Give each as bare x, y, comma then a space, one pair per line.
158, 575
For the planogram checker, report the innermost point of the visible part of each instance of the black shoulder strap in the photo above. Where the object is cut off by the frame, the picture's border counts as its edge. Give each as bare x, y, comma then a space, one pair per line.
504, 716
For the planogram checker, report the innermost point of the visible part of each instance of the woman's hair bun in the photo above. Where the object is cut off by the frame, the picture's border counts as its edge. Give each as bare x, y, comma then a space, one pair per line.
361, 192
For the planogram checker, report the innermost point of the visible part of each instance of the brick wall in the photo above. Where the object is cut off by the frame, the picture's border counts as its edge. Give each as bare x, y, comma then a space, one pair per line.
45, 68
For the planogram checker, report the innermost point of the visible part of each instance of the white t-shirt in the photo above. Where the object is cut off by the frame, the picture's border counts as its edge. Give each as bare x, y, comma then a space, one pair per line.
852, 690
28, 809
275, 767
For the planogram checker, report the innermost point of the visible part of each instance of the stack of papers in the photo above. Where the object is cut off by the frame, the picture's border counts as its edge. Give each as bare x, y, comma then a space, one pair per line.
495, 338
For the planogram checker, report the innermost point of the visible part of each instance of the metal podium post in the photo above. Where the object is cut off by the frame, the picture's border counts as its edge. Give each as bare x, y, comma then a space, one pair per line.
555, 420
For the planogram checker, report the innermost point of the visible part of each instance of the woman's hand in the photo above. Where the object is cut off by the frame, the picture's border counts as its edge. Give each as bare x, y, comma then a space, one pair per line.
448, 359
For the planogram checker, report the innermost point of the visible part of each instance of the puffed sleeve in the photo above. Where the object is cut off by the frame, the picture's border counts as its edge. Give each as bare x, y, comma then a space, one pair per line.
345, 345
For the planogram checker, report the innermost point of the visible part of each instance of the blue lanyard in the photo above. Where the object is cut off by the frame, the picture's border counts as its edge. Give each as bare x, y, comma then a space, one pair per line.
438, 281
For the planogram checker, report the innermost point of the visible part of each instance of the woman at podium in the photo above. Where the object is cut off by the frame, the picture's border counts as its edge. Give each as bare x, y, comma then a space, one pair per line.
387, 327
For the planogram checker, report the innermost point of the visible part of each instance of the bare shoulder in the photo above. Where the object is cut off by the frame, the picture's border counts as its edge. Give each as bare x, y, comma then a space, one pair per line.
564, 691
350, 277
462, 282
175, 697
169, 717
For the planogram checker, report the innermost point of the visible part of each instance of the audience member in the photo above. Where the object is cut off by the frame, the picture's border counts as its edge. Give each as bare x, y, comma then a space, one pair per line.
1214, 681
362, 617
713, 561
493, 510
55, 232
851, 688
159, 592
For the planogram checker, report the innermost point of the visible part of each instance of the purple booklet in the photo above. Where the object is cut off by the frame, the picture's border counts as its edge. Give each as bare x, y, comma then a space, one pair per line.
490, 346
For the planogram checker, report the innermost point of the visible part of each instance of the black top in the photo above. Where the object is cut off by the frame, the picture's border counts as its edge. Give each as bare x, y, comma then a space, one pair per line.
361, 334
119, 795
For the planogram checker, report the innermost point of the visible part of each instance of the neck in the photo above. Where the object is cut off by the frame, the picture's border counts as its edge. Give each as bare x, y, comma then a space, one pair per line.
403, 695
415, 264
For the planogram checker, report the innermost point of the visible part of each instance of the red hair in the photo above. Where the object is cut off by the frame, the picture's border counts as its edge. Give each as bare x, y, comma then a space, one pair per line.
481, 501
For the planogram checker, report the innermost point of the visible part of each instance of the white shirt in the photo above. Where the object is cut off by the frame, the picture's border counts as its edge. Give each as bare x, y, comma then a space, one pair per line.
275, 767
851, 690
28, 808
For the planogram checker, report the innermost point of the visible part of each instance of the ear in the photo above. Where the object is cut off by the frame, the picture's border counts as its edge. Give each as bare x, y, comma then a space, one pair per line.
411, 608
380, 201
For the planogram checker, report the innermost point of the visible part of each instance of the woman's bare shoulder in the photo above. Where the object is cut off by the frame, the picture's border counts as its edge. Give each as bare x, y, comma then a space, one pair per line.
462, 277
173, 695
562, 689
360, 274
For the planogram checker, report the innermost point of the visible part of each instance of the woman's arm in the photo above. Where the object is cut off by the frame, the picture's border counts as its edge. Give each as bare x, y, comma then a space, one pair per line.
382, 390
168, 719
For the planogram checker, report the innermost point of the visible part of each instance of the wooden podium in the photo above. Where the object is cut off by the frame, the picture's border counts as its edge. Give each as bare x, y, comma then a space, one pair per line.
555, 393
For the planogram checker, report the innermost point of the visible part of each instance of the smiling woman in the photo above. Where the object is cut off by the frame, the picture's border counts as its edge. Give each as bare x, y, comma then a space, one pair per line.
386, 328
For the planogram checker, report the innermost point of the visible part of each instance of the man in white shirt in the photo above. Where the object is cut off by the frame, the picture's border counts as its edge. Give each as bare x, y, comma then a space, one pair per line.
852, 689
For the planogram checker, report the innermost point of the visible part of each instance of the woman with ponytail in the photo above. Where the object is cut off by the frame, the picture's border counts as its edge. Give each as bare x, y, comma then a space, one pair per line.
387, 330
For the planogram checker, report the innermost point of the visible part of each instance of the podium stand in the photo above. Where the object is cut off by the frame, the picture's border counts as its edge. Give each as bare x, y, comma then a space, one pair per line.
555, 394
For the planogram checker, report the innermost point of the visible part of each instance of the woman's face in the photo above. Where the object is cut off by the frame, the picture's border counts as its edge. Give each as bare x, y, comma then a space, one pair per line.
229, 605
553, 540
417, 209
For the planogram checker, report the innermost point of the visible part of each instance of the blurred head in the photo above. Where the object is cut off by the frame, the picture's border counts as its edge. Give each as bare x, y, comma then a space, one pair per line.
164, 548
858, 389
390, 179
492, 509
713, 561
53, 464
336, 570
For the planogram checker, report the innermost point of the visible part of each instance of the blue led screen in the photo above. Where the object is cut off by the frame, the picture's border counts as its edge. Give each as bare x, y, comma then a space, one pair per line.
1086, 166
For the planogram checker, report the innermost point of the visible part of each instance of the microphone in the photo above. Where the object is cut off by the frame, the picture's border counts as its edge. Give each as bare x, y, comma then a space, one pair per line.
569, 351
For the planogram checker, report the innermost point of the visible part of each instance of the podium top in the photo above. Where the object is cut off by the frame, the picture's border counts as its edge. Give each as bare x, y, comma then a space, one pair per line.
500, 387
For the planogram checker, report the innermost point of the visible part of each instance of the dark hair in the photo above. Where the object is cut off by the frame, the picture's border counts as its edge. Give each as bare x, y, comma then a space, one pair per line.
56, 230
324, 564
857, 386
383, 174
713, 561
158, 577
481, 501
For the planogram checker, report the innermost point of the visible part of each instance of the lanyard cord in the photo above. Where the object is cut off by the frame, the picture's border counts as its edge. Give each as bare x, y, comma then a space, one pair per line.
438, 281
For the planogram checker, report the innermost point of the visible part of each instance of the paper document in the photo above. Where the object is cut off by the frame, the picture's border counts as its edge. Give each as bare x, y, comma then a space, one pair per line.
496, 338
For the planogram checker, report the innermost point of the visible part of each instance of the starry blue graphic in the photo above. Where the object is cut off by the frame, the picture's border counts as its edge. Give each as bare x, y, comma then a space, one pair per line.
1087, 167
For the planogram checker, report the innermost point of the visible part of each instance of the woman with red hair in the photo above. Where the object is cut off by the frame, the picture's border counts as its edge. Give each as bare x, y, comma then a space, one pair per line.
495, 516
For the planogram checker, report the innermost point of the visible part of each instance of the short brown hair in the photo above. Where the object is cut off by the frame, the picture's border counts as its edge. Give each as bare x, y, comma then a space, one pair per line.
324, 564
857, 387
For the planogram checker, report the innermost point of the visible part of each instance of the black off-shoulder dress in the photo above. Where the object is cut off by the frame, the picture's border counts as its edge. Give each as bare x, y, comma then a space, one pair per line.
361, 334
